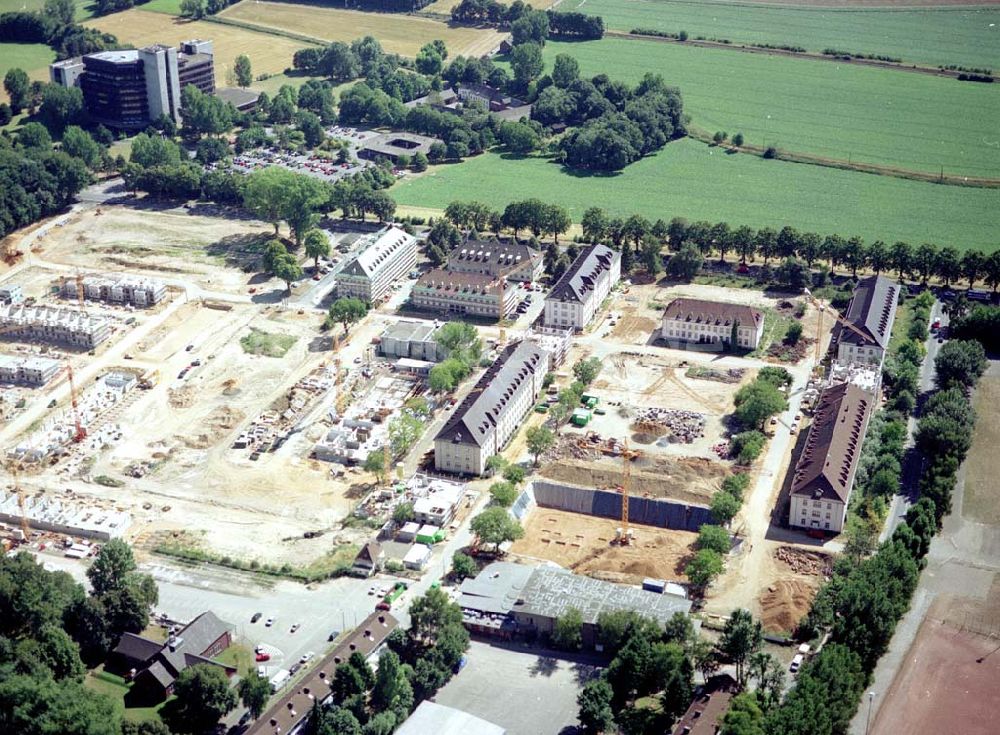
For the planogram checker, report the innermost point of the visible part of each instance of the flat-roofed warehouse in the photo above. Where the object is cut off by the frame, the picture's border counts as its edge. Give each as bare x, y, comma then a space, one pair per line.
390, 256
491, 414
824, 473
506, 598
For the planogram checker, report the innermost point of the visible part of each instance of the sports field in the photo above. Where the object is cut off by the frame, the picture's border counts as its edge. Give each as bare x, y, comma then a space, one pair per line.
268, 54
936, 36
692, 180
401, 34
840, 111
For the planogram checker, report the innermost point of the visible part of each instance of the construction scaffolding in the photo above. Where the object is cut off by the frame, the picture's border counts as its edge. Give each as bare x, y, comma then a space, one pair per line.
53, 325
132, 290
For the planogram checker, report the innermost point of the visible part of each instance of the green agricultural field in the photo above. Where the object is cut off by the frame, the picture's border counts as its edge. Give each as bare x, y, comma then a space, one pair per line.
690, 179
839, 111
937, 36
84, 8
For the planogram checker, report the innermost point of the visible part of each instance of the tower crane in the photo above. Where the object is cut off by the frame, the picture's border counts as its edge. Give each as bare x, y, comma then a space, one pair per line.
837, 317
15, 466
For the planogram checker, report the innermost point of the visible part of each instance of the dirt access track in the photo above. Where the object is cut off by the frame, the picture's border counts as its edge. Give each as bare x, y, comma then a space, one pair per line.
582, 544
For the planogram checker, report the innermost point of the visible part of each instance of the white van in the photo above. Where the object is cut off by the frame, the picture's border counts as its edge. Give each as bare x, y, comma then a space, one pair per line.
796, 662
279, 679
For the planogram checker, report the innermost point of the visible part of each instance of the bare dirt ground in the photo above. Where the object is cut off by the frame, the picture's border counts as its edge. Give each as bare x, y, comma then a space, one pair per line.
205, 250
690, 480
798, 575
583, 544
949, 682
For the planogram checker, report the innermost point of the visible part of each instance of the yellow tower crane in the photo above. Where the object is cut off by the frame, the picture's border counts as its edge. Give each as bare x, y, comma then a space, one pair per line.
625, 533
837, 317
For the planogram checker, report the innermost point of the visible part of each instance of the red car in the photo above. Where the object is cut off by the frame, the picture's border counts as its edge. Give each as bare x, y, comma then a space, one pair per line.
263, 657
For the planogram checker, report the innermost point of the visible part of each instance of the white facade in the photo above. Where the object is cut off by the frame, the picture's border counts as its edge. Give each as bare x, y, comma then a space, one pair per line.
581, 290
454, 293
132, 290
493, 412
60, 326
709, 322
27, 370
387, 259
823, 514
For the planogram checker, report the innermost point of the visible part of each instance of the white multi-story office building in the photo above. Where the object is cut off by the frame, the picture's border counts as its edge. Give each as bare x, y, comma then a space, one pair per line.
493, 412
712, 322
389, 257
578, 295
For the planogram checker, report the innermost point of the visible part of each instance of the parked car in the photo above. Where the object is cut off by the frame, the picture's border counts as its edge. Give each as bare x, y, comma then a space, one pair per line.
262, 671
256, 617
263, 657
295, 627
306, 657
796, 663
269, 622
333, 636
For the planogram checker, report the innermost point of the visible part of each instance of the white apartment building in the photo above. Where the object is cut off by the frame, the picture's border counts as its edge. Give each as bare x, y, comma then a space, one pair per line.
824, 473
871, 313
458, 294
578, 295
493, 412
389, 257
57, 326
34, 371
712, 322
132, 290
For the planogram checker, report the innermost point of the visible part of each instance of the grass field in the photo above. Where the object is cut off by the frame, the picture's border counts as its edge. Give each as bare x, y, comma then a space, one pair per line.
270, 54
692, 180
878, 116
115, 688
34, 58
982, 493
937, 36
84, 8
400, 34
170, 7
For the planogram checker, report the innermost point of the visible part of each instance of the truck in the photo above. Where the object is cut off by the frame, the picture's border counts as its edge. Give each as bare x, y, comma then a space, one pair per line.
149, 379
280, 679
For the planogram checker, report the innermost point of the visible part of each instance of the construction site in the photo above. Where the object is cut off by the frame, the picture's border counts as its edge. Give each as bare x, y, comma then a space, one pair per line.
197, 396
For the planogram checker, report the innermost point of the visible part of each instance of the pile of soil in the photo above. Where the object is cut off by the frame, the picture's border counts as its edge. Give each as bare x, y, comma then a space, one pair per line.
784, 604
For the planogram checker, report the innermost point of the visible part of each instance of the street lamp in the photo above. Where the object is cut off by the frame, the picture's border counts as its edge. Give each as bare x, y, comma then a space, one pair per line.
868, 721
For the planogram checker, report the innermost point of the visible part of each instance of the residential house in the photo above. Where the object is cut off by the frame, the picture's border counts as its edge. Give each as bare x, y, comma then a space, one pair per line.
369, 559
710, 703
155, 666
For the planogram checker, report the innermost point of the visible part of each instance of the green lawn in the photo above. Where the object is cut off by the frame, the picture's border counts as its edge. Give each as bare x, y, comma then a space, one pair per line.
936, 36
84, 8
835, 110
692, 180
28, 56
115, 688
169, 7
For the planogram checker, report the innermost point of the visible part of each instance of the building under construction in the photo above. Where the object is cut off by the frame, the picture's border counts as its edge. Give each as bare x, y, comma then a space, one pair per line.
50, 514
32, 371
131, 290
53, 325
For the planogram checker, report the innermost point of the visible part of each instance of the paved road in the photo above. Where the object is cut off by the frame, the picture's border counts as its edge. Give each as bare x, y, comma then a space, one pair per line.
908, 490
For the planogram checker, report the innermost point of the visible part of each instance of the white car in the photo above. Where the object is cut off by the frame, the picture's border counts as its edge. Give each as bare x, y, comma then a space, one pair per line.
307, 657
796, 662
262, 671
269, 622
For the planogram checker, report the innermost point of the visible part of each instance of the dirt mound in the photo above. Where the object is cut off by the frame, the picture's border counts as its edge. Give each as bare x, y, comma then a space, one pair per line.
180, 397
689, 479
785, 603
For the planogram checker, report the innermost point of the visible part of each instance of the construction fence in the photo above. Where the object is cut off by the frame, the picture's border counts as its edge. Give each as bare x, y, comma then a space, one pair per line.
607, 504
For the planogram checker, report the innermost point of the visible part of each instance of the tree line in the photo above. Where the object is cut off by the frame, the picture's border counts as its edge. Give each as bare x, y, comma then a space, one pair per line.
54, 26
527, 23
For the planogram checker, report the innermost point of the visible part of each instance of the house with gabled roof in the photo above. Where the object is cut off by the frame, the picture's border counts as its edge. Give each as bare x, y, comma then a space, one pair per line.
871, 314
154, 666
824, 473
493, 411
581, 290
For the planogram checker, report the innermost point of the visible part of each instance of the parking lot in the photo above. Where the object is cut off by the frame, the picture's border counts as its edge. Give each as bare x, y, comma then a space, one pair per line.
526, 691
